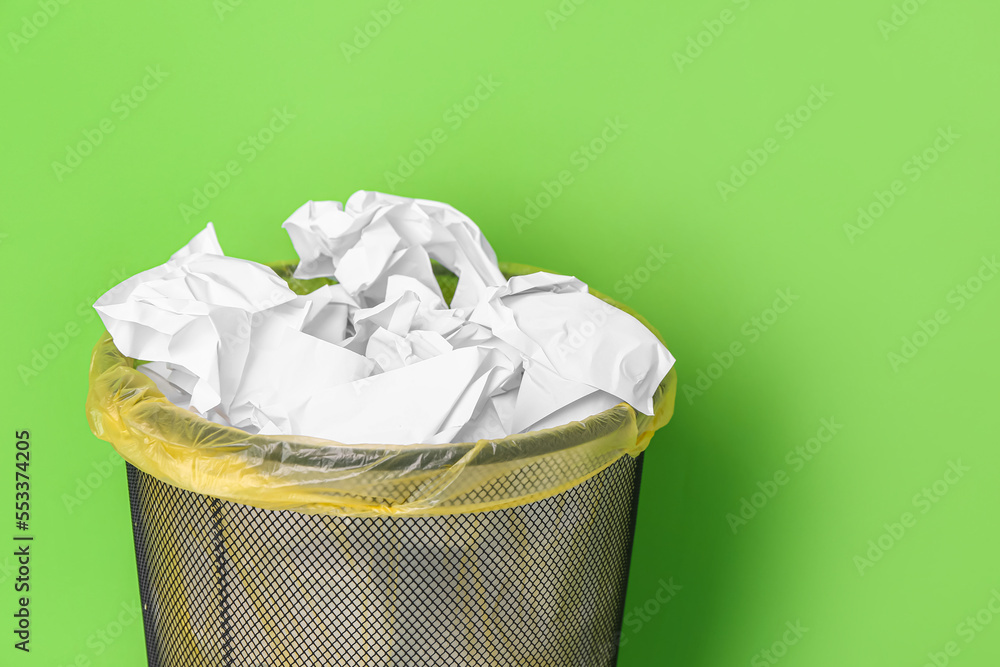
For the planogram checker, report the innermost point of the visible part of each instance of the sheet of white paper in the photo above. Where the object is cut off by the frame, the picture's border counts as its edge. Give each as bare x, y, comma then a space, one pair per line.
380, 357
195, 312
581, 338
329, 314
285, 367
376, 235
424, 402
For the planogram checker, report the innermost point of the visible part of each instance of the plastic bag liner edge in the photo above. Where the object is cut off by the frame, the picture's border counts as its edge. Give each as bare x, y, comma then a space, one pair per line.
315, 476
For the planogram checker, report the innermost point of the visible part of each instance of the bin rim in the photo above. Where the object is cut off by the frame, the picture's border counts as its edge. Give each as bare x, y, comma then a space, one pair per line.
125, 408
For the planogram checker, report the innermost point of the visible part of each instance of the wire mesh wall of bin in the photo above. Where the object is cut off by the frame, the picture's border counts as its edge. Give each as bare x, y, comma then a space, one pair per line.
230, 585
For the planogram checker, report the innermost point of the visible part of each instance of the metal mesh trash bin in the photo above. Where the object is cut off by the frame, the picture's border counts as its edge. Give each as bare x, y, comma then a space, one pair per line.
268, 551
541, 584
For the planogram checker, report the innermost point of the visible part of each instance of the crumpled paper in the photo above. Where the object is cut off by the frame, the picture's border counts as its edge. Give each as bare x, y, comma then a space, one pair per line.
380, 357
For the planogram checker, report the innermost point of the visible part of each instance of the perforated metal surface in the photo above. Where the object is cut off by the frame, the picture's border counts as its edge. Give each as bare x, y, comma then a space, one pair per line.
228, 585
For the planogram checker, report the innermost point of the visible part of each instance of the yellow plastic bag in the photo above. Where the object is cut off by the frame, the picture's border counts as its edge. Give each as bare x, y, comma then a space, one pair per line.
316, 476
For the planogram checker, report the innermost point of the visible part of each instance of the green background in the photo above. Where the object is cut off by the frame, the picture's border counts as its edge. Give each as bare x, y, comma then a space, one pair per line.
683, 126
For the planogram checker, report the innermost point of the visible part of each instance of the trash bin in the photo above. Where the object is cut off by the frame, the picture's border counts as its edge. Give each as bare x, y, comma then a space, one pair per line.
268, 551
